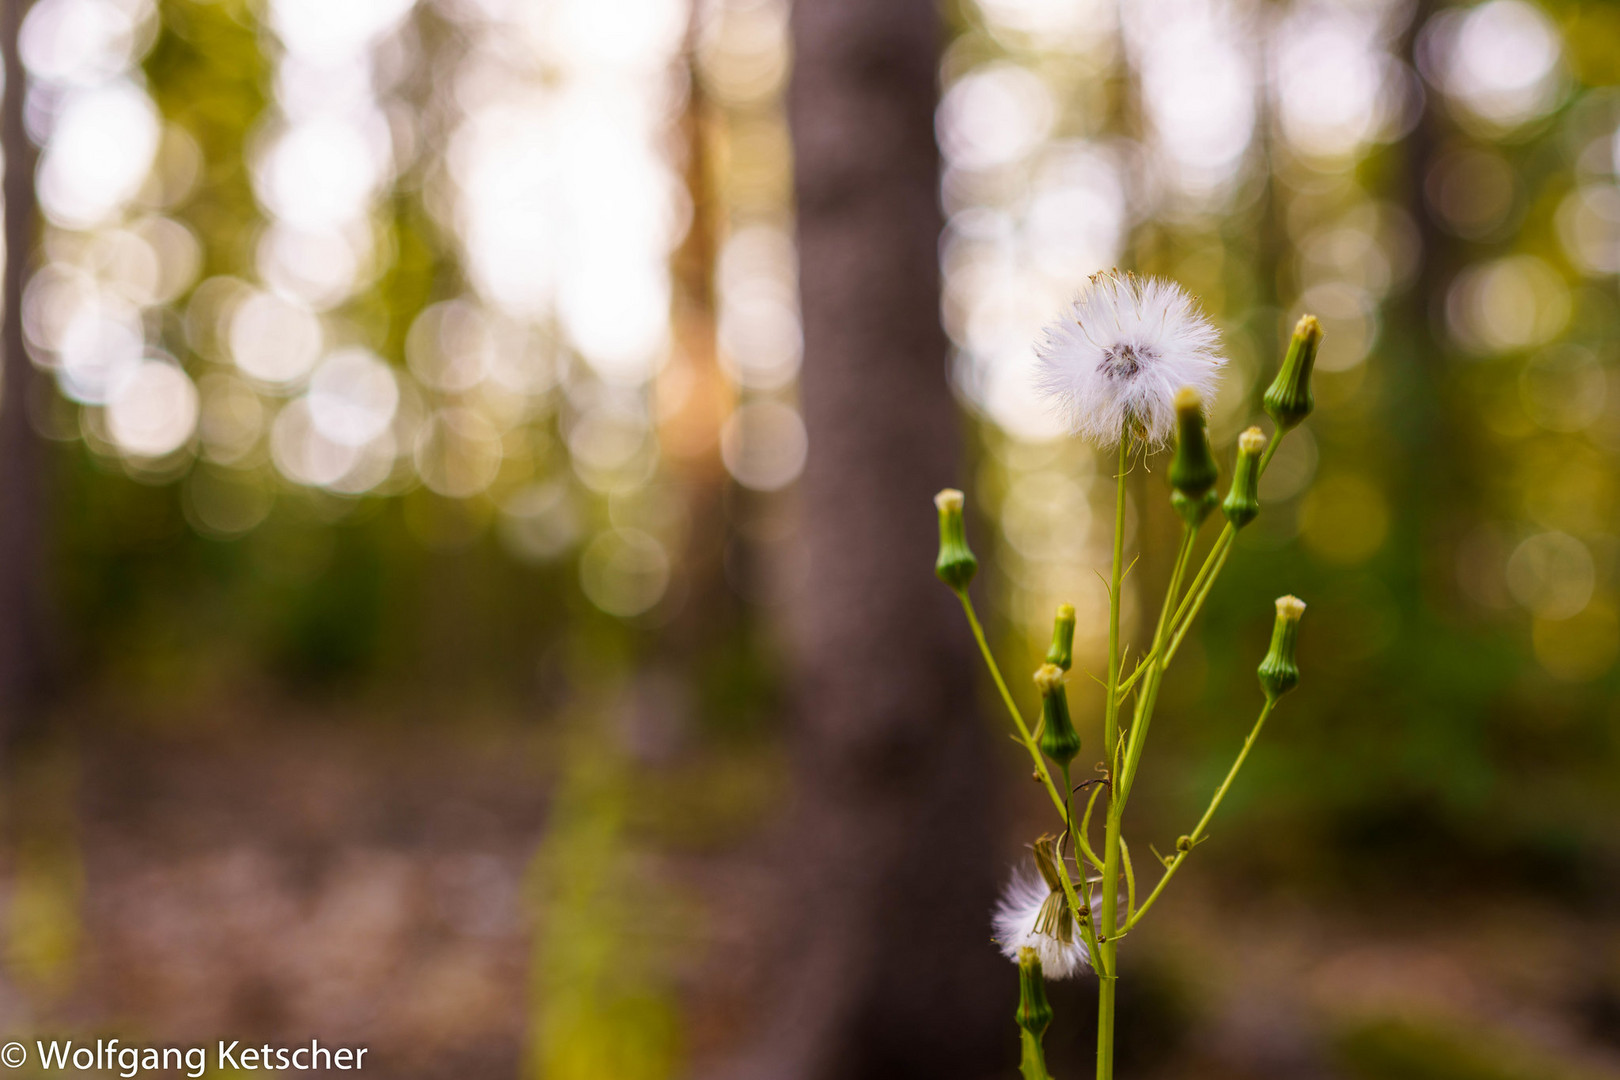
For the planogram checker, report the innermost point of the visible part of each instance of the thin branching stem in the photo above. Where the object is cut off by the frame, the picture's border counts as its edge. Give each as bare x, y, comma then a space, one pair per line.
1193, 838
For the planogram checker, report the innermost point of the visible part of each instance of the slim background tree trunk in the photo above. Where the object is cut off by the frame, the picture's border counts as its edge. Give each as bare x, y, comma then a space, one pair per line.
886, 969
22, 451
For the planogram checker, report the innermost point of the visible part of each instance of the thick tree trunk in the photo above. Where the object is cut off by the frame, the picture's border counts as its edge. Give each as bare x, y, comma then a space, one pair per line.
22, 452
887, 970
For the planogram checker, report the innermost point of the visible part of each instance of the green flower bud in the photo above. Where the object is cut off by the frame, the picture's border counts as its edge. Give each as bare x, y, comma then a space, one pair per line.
1062, 651
956, 564
1289, 399
1278, 671
1192, 470
1034, 1013
1059, 740
1194, 511
1034, 1016
1242, 503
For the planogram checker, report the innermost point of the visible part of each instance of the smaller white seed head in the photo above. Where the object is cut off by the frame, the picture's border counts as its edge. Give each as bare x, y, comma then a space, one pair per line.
1252, 441
1290, 608
949, 500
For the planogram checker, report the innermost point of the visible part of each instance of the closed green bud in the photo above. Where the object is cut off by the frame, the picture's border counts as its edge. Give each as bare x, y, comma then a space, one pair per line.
1194, 511
1034, 1015
1034, 1012
1192, 470
1289, 399
1059, 740
1278, 671
1062, 651
1242, 503
956, 564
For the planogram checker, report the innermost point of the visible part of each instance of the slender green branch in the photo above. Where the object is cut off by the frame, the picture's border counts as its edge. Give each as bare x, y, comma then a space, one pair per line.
1145, 702
1130, 882
1115, 581
1198, 603
1082, 838
1105, 958
1024, 735
1184, 847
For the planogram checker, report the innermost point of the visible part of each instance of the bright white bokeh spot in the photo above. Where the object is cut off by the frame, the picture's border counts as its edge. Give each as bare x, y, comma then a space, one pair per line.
153, 411
84, 42
273, 339
1073, 24
587, 35
99, 344
994, 115
617, 315
760, 336
319, 175
1198, 89
352, 397
319, 268
1500, 60
100, 150
1335, 80
1075, 223
325, 31
303, 454
764, 445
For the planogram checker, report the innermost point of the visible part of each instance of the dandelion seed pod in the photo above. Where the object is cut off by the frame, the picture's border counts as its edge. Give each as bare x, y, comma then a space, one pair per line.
1242, 503
1114, 358
1289, 400
1279, 673
956, 564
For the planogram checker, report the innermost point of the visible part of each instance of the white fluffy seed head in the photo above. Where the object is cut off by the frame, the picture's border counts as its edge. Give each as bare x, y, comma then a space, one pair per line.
1120, 354
1014, 925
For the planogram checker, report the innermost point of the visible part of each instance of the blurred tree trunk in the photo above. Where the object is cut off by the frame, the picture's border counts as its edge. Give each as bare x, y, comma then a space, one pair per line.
886, 968
22, 451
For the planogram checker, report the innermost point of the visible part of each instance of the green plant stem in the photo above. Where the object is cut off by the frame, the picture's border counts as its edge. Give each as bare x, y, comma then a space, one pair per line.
1114, 841
1105, 957
1041, 770
1105, 1025
1032, 1063
1085, 828
1115, 581
1150, 687
1024, 735
1197, 834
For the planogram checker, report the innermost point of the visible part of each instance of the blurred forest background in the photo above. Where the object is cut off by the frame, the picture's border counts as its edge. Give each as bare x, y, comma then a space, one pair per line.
465, 539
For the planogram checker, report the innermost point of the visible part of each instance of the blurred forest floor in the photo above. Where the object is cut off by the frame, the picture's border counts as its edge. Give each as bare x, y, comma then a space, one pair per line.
500, 899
